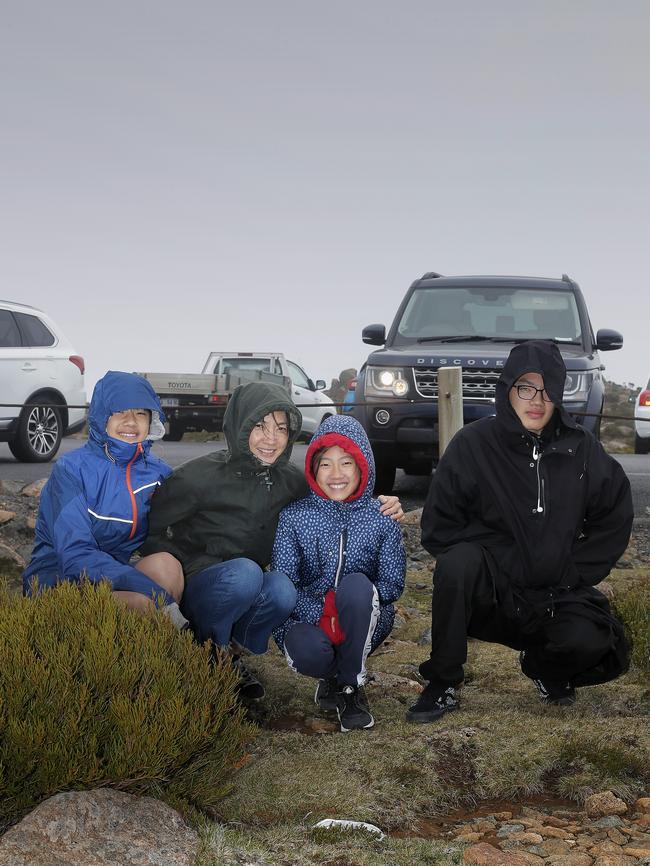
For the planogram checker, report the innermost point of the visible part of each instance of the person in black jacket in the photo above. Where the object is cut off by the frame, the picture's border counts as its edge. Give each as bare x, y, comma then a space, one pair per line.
526, 513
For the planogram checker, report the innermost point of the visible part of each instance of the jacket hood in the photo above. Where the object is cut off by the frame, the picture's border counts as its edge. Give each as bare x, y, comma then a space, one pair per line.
116, 392
349, 435
250, 404
533, 356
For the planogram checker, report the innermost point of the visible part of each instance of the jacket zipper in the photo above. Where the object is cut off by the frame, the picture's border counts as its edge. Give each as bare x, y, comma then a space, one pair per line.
134, 505
537, 457
343, 538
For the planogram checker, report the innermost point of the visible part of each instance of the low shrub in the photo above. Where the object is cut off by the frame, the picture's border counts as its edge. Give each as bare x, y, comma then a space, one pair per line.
93, 694
633, 607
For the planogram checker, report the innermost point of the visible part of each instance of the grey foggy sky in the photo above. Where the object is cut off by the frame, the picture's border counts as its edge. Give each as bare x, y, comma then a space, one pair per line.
184, 177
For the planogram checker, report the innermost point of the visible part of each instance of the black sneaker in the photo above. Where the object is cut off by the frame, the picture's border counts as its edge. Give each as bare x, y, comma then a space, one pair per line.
325, 696
433, 702
249, 687
560, 694
352, 708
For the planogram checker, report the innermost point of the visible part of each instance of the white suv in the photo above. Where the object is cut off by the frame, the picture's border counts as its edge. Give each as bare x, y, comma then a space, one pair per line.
42, 389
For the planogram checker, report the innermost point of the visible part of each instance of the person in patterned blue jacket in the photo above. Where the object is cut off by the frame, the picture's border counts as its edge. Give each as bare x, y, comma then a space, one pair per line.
94, 509
348, 564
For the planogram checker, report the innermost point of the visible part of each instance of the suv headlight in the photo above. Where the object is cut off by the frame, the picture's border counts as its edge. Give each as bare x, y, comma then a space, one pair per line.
386, 381
577, 387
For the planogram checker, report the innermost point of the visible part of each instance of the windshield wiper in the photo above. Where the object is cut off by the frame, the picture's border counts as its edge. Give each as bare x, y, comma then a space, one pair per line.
562, 341
456, 338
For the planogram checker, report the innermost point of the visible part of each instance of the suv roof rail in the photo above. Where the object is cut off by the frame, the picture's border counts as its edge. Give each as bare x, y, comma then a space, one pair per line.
430, 275
567, 279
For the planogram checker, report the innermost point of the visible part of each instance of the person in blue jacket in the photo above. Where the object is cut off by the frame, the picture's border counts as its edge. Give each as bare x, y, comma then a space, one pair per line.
94, 509
347, 562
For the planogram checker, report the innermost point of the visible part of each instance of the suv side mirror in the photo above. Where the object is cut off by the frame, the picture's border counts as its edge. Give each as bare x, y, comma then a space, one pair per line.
320, 384
606, 340
374, 335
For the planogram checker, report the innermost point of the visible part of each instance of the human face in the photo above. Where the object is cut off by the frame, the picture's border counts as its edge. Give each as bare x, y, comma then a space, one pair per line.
338, 475
269, 437
131, 425
536, 413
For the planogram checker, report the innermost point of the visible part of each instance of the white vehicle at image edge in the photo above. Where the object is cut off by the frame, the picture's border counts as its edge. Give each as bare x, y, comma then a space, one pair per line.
41, 381
642, 422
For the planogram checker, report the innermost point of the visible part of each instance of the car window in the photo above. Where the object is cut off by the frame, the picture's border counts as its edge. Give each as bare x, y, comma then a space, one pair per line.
298, 376
34, 331
9, 333
501, 313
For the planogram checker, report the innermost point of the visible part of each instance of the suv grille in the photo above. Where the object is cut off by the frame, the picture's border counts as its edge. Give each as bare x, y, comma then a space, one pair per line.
478, 385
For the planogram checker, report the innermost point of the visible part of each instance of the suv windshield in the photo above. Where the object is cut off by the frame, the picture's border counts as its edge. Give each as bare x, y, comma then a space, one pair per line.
490, 313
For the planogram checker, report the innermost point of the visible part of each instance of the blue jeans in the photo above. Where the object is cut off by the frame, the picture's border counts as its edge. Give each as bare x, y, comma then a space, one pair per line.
236, 599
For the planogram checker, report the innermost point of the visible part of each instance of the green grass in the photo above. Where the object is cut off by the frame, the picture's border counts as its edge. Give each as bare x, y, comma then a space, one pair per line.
502, 745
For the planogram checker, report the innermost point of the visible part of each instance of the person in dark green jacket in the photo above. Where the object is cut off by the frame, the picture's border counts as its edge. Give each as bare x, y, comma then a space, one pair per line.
218, 515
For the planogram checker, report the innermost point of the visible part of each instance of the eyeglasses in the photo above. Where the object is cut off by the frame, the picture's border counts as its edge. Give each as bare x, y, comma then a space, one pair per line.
529, 392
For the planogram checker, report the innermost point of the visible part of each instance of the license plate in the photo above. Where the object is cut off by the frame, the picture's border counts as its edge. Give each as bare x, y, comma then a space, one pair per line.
168, 401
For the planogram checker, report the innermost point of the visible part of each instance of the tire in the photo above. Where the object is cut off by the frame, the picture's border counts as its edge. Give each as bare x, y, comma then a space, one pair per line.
39, 433
641, 444
175, 432
385, 477
423, 467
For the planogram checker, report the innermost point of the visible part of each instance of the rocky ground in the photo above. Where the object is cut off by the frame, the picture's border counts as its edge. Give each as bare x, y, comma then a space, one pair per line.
605, 833
528, 830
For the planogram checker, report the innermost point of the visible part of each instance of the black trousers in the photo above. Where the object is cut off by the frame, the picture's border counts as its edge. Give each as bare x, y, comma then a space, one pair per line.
563, 638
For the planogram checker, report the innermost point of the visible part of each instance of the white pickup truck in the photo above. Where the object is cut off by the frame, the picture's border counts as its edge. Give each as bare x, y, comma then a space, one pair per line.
197, 401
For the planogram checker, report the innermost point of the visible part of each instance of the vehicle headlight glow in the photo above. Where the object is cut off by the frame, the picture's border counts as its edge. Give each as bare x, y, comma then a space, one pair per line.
386, 382
577, 386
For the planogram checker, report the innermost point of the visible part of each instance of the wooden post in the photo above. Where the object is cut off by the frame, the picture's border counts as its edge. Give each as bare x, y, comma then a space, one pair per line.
450, 405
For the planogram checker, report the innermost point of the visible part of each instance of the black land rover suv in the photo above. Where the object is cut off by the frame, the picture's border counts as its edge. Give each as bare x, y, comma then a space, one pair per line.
471, 322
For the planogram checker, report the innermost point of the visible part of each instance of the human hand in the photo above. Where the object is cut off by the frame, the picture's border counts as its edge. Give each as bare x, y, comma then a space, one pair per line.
391, 507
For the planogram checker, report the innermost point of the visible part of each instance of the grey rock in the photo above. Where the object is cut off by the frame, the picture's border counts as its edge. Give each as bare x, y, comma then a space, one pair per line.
506, 829
9, 486
33, 489
608, 821
100, 828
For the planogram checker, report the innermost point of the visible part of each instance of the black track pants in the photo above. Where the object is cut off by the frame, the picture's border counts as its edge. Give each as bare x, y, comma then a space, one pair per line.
564, 642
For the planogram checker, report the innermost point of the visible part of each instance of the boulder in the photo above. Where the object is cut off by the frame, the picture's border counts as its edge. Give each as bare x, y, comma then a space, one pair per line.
604, 803
99, 828
34, 489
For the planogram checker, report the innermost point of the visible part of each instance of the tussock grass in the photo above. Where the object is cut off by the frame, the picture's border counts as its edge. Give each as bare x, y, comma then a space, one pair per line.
633, 607
93, 694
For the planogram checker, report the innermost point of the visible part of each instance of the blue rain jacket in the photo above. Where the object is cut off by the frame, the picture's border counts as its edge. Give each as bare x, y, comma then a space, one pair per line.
94, 508
309, 531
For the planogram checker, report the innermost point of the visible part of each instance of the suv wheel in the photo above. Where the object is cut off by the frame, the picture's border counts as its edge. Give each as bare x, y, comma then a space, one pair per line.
175, 431
38, 435
385, 477
641, 445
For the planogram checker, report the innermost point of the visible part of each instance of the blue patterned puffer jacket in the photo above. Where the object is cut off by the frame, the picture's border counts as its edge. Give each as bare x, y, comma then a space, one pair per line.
307, 540
94, 508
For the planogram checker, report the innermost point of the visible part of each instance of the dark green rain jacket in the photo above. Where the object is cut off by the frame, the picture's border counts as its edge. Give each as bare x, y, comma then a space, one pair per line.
226, 505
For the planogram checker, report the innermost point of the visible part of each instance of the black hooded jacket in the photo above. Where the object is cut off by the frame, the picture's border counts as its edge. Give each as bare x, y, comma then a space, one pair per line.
226, 505
550, 511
